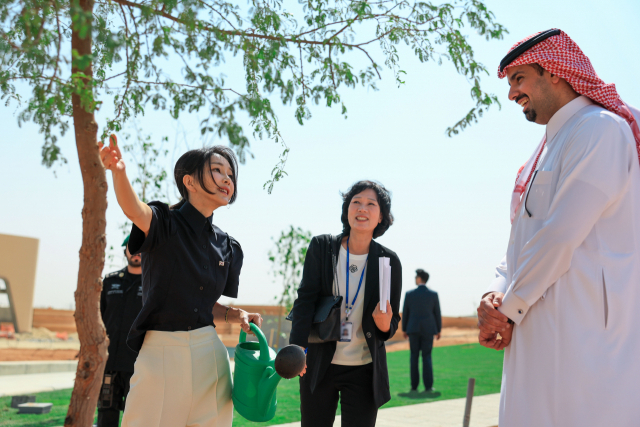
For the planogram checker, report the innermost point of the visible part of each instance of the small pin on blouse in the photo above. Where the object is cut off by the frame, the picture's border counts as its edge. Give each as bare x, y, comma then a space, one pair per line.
221, 263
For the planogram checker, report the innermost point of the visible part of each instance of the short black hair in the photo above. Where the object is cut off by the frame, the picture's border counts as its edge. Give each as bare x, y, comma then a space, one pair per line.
384, 200
198, 162
538, 68
423, 275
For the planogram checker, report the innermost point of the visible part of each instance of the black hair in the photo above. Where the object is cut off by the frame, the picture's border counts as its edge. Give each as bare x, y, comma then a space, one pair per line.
538, 68
423, 275
384, 200
196, 162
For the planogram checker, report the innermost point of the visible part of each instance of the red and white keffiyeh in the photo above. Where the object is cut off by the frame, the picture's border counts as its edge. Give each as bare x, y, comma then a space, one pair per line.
561, 56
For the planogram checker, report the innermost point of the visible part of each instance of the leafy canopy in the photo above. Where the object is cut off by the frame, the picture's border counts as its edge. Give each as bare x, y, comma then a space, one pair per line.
287, 262
171, 55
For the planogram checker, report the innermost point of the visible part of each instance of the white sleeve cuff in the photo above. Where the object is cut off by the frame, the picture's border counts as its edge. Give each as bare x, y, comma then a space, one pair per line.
513, 307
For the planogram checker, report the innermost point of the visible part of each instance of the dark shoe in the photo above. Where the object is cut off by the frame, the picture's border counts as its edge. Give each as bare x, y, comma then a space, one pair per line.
412, 394
431, 393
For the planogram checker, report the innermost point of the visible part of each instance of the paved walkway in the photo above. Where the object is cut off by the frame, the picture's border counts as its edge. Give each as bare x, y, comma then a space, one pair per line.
12, 385
443, 413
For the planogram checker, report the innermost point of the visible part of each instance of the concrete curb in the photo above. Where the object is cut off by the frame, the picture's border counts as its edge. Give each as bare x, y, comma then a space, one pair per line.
37, 367
13, 385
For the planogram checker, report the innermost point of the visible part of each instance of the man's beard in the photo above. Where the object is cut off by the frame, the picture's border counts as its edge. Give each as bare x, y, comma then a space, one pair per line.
531, 114
133, 263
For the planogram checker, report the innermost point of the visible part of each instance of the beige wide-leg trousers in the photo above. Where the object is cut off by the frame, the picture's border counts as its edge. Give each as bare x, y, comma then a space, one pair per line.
180, 379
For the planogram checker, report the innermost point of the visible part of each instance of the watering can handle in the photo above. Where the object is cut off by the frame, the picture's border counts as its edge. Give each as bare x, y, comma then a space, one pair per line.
264, 347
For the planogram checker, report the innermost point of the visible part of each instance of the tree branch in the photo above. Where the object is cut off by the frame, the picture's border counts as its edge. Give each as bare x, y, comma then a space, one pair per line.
375, 67
113, 77
185, 85
320, 28
238, 32
40, 30
375, 16
221, 15
293, 39
304, 86
331, 68
55, 70
127, 71
343, 28
377, 38
8, 40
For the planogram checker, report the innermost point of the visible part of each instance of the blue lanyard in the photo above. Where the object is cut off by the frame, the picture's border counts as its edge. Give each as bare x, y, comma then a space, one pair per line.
347, 307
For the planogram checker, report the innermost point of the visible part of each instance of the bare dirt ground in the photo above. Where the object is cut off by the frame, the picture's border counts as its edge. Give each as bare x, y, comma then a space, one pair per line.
43, 344
449, 336
39, 344
29, 354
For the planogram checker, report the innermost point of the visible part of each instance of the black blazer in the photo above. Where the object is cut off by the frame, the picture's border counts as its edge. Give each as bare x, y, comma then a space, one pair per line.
317, 281
421, 312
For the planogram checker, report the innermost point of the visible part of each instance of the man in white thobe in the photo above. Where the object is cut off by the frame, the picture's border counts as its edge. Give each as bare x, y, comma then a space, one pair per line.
566, 297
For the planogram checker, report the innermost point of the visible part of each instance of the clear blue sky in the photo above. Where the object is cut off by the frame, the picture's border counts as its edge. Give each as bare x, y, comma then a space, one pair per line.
450, 195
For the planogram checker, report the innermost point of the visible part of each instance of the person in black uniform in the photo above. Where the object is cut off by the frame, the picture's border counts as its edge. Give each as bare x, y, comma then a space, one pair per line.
120, 303
182, 375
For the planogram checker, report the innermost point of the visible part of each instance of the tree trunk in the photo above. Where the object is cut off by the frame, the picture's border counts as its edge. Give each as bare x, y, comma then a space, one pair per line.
91, 331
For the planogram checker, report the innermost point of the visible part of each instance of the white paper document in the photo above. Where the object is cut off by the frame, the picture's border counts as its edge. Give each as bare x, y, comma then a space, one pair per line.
385, 282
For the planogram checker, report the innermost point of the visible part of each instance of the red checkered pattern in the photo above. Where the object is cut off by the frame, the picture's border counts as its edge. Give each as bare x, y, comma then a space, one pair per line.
561, 56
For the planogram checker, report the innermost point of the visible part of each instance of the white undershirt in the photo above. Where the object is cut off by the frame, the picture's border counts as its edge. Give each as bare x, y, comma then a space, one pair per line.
356, 352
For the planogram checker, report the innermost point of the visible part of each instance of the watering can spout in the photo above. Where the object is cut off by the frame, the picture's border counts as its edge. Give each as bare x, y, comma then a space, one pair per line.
268, 384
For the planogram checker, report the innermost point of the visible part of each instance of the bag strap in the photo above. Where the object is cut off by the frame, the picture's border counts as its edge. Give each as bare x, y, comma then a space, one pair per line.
336, 288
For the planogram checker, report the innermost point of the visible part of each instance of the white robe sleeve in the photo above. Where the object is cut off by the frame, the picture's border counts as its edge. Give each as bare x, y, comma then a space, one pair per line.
595, 169
499, 284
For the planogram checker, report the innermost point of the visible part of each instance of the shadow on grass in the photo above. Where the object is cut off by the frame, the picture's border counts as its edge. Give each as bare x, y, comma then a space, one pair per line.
421, 395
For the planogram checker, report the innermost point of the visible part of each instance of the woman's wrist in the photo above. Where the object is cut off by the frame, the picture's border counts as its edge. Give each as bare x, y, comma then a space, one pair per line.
235, 314
384, 330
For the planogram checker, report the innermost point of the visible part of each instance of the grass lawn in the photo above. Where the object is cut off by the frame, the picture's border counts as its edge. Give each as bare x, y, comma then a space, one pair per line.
55, 418
453, 366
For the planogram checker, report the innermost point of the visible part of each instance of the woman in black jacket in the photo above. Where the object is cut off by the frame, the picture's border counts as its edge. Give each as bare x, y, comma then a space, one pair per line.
353, 370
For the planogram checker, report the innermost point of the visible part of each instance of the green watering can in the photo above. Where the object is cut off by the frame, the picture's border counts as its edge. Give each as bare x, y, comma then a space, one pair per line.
255, 378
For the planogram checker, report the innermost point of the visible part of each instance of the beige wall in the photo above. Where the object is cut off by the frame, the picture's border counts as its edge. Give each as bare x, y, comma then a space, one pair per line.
18, 259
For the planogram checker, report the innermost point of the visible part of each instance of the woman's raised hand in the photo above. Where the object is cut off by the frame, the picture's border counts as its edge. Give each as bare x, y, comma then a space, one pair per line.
245, 318
383, 320
111, 156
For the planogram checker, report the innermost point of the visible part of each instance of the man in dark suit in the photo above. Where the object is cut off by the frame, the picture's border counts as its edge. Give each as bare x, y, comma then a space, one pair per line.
421, 321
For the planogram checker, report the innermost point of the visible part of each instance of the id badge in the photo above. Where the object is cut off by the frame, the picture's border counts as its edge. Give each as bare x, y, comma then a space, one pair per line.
346, 329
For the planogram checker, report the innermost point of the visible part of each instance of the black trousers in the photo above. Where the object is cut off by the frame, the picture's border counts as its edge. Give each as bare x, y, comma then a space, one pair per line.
352, 385
419, 343
109, 414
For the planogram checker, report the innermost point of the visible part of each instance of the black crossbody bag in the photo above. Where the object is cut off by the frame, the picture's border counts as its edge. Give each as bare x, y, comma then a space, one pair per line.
326, 315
